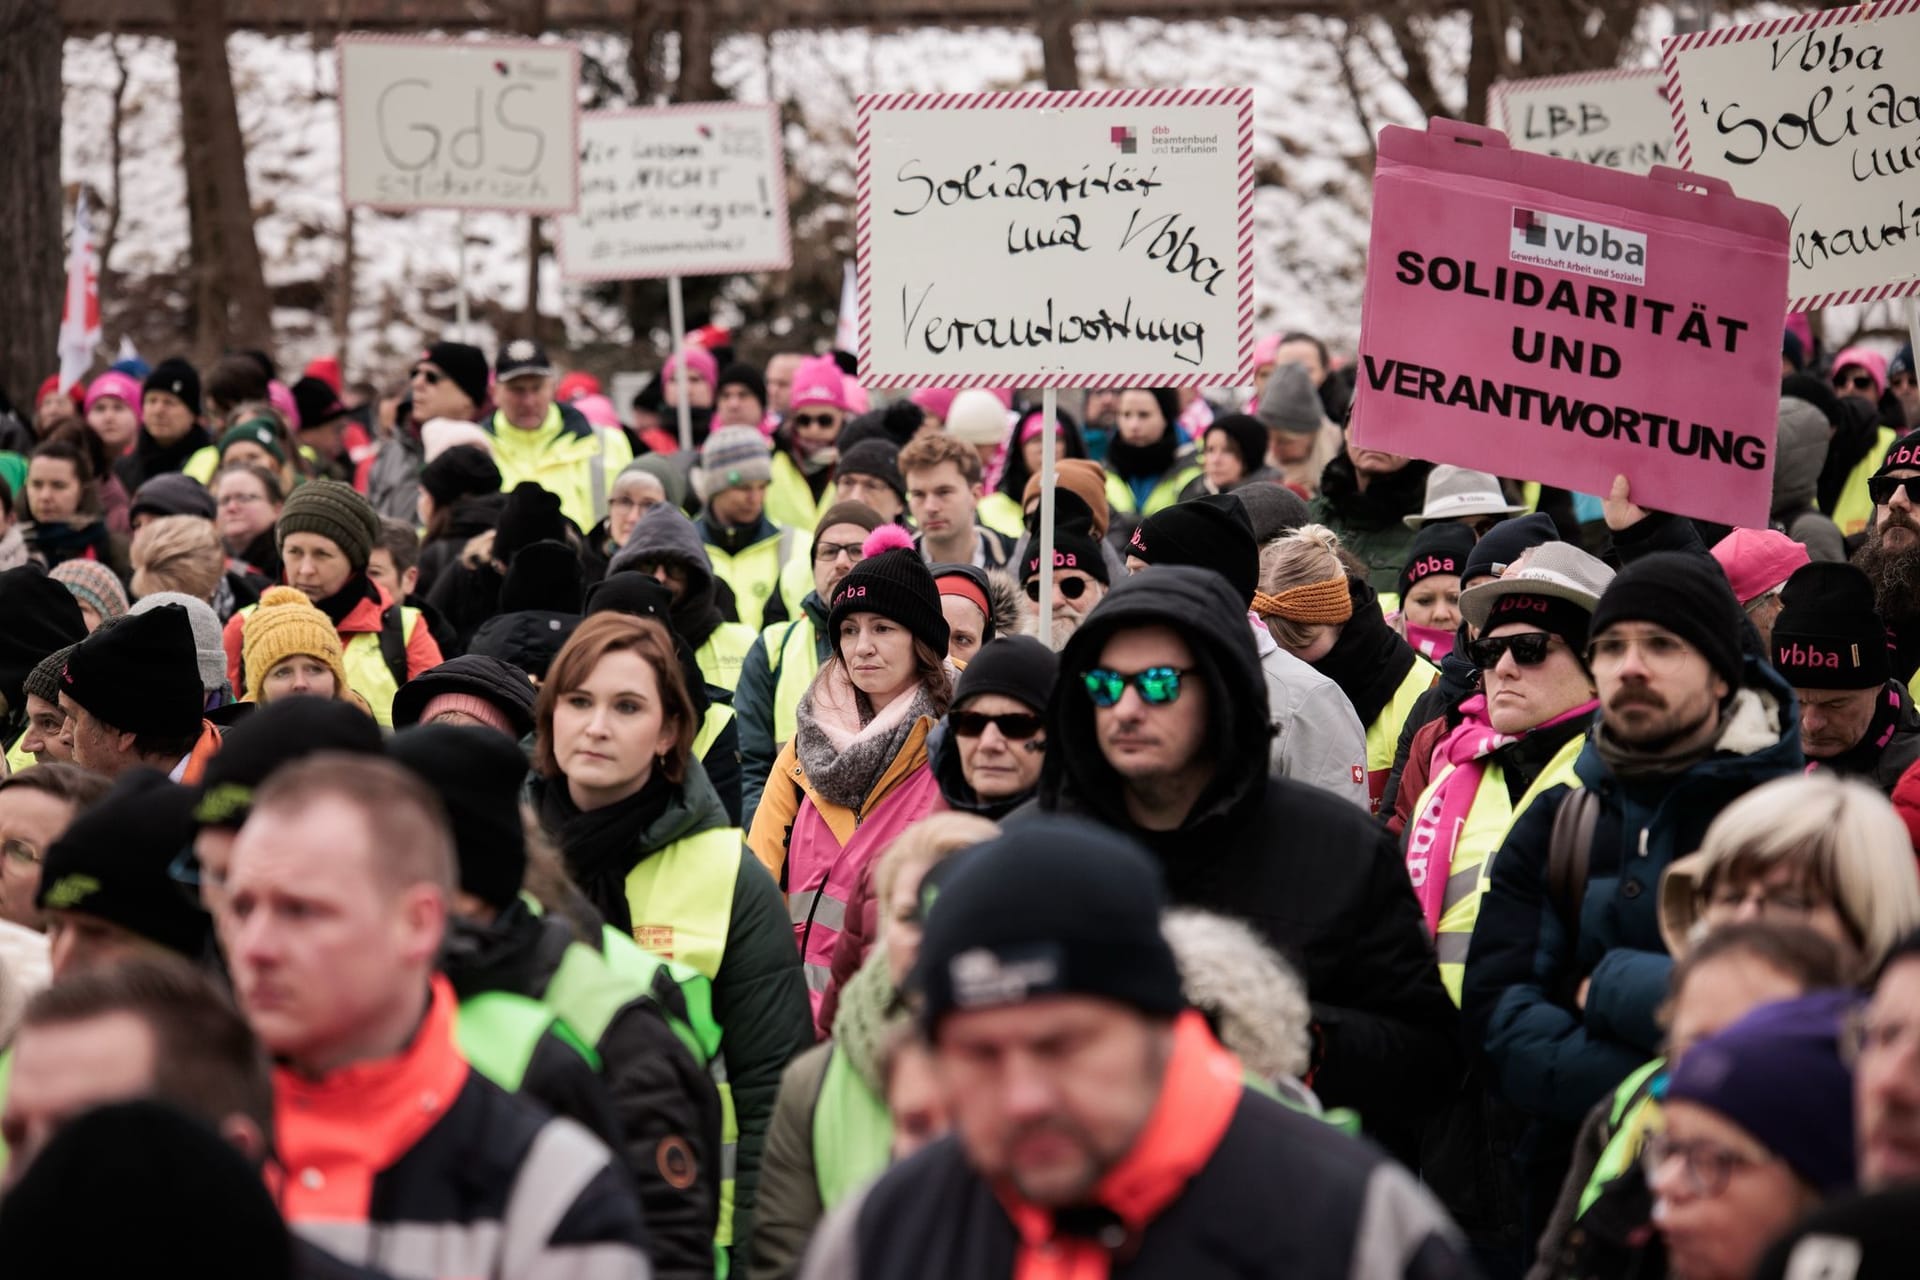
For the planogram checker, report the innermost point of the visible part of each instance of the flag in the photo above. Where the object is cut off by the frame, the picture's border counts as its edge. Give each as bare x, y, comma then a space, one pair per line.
846, 333
80, 317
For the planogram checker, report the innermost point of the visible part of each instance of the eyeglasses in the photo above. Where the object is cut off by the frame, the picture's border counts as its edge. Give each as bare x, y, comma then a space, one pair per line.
1660, 651
1157, 686
1858, 382
828, 552
814, 420
242, 499
433, 377
21, 853
1766, 900
1071, 588
1882, 488
1015, 726
1708, 1165
1529, 649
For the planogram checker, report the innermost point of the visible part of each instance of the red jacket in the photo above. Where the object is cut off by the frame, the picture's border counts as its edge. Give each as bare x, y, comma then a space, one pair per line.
423, 651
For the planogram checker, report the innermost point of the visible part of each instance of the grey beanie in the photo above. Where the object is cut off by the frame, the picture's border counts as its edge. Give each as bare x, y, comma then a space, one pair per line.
208, 651
1290, 402
1273, 509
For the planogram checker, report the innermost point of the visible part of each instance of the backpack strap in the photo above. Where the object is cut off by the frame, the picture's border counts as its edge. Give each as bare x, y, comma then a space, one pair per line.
1570, 855
393, 643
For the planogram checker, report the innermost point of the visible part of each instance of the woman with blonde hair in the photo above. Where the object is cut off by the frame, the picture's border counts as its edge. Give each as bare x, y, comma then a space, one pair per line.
1324, 613
1814, 849
178, 553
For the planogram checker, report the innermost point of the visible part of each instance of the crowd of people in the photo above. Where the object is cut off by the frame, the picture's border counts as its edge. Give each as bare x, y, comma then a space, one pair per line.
460, 832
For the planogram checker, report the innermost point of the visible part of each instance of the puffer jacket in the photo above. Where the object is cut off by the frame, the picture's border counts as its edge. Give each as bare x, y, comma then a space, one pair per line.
1313, 875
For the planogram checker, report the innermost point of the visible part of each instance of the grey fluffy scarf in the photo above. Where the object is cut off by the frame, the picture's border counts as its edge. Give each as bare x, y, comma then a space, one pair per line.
842, 751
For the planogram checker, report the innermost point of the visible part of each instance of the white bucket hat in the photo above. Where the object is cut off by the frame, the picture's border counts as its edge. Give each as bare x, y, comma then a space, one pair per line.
1559, 570
1453, 492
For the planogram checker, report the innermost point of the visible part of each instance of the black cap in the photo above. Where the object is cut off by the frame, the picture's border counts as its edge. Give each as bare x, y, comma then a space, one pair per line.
177, 378
895, 584
478, 774
1828, 634
466, 365
142, 675
1213, 532
1504, 543
41, 617
113, 861
277, 734
1686, 594
1017, 667
522, 358
464, 471
317, 403
499, 684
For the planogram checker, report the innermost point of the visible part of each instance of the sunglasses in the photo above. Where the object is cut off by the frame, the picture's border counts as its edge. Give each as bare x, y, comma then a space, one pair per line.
1529, 649
814, 420
1882, 488
1157, 686
433, 376
1015, 726
1071, 588
1858, 382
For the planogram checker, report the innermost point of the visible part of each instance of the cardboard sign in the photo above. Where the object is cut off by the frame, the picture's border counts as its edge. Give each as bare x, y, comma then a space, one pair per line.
1056, 239
1820, 116
697, 190
1554, 321
459, 124
1615, 119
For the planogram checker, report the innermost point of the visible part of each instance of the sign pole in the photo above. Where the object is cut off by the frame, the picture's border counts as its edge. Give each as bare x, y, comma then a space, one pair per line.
1049, 411
460, 235
677, 319
1913, 321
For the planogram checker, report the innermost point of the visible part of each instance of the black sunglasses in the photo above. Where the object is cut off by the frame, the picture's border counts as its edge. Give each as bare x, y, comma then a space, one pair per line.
1529, 649
814, 420
433, 376
1858, 382
1882, 488
1015, 726
1071, 588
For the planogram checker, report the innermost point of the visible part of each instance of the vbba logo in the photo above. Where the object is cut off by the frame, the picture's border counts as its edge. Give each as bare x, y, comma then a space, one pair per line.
1122, 137
1573, 244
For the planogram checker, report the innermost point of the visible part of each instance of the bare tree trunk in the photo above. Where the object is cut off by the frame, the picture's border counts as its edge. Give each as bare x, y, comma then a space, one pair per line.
1056, 44
696, 54
115, 152
231, 303
643, 61
31, 235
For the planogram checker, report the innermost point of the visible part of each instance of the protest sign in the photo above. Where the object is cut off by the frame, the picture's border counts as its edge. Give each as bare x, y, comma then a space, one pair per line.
695, 190
459, 124
1554, 321
1820, 116
1056, 239
1615, 119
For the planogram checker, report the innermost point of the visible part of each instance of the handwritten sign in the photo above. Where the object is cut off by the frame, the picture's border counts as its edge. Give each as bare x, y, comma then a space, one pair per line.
1615, 119
1560, 322
1060, 239
1819, 115
459, 124
697, 190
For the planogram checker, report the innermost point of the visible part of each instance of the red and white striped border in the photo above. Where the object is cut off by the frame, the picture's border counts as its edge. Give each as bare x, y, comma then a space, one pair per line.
716, 266
1240, 99
1502, 89
439, 42
1670, 71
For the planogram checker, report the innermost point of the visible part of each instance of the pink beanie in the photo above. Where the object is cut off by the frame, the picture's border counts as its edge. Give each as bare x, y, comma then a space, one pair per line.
281, 398
467, 704
1757, 561
1266, 349
935, 401
1866, 358
698, 362
819, 381
120, 386
598, 410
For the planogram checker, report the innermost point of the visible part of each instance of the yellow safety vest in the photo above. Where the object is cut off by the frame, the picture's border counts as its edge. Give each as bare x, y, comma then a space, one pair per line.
712, 725
756, 572
201, 465
1165, 492
1485, 829
1383, 735
1001, 514
367, 671
681, 903
790, 499
724, 653
18, 757
1853, 510
577, 469
793, 654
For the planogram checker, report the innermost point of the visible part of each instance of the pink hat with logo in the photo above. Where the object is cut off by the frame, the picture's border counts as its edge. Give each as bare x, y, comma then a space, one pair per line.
819, 381
1757, 561
118, 385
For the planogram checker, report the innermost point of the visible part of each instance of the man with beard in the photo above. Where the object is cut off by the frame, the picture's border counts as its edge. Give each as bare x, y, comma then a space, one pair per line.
1891, 555
1079, 581
1567, 967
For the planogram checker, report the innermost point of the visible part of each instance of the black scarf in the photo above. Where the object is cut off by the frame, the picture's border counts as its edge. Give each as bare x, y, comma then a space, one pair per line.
1863, 757
56, 544
263, 555
697, 616
1386, 499
151, 458
1369, 660
1141, 461
602, 846
343, 602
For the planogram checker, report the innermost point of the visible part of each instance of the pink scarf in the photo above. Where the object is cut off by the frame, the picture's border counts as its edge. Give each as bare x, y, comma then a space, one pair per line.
1435, 828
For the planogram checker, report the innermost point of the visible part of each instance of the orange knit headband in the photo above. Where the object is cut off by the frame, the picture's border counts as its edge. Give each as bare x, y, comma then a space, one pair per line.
1327, 601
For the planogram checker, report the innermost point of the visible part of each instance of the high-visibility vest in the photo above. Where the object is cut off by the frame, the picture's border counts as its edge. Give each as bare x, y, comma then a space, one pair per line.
681, 902
1165, 492
1633, 1116
852, 1132
1000, 513
376, 661
790, 499
712, 725
1853, 509
202, 464
757, 573
1469, 869
498, 1032
1383, 735
18, 757
724, 653
793, 654
577, 468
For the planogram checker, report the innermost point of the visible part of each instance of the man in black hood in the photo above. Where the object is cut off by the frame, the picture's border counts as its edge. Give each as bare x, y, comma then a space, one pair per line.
1158, 728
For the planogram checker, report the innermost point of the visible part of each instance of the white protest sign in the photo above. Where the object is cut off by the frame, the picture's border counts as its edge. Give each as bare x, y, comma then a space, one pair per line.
1615, 119
1060, 239
459, 124
695, 190
1819, 115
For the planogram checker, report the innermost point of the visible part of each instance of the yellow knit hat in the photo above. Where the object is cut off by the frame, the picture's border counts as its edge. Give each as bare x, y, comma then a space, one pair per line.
285, 625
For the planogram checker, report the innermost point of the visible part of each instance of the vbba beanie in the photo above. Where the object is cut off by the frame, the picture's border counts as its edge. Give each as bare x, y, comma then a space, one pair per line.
1684, 593
818, 381
732, 458
286, 624
335, 512
1053, 907
112, 862
857, 513
1248, 436
1017, 667
466, 365
463, 471
1072, 549
501, 686
1437, 548
894, 582
141, 676
1828, 635
41, 616
175, 377
1213, 532
276, 735
92, 583
1504, 544
879, 458
478, 774
1902, 455
43, 682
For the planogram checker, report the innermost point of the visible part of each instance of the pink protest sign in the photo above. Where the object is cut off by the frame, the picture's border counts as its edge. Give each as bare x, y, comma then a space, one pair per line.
1554, 321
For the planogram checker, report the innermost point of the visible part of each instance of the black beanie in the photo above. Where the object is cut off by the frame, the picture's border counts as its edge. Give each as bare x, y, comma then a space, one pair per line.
478, 774
1828, 635
112, 862
316, 402
464, 471
466, 365
1072, 549
163, 1171
1248, 436
1018, 667
141, 676
176, 378
742, 374
1685, 593
544, 576
641, 595
531, 515
879, 458
1504, 543
277, 734
1055, 906
1213, 532
1902, 455
894, 583
1272, 509
1441, 547
499, 684
37, 617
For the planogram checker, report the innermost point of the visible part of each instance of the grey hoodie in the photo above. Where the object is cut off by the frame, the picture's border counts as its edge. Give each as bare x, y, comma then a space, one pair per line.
1798, 458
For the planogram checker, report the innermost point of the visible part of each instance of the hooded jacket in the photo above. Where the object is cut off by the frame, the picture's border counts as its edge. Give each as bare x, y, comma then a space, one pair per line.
1372, 525
1800, 453
1313, 875
467, 519
665, 535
